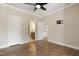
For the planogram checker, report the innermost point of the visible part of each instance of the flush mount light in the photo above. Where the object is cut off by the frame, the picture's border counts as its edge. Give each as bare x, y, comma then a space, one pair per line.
37, 6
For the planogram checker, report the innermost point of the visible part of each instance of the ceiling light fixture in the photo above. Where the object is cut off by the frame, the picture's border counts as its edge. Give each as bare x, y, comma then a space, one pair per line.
37, 6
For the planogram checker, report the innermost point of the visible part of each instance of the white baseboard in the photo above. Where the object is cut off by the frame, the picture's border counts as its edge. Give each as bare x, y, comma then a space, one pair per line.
23, 42
70, 46
8, 45
74, 47
5, 46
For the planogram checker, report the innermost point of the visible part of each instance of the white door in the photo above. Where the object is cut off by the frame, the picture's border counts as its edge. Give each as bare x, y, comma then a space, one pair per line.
14, 30
42, 29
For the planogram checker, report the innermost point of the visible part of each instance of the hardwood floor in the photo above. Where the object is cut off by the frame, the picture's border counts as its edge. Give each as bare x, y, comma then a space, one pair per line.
39, 48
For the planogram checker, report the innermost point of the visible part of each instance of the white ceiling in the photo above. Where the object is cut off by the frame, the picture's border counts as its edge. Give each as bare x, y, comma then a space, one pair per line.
50, 7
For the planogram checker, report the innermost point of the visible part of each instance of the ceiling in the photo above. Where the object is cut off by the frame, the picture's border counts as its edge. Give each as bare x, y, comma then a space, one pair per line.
50, 7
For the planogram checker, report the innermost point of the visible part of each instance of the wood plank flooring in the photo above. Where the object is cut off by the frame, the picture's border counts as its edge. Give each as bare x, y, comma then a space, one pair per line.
38, 48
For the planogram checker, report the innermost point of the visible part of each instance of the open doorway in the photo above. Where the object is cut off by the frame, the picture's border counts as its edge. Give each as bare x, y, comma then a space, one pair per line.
38, 30
32, 29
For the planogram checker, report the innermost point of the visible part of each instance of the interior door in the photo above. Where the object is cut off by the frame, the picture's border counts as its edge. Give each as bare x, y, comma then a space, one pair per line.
42, 29
14, 30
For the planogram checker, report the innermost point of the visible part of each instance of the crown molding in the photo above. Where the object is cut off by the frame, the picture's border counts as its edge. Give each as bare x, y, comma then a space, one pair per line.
19, 9
59, 9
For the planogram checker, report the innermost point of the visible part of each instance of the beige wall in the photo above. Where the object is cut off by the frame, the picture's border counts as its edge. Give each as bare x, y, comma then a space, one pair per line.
4, 12
71, 25
3, 27
55, 30
67, 33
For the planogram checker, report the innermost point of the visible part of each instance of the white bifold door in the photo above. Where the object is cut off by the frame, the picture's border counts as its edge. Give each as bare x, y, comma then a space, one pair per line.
14, 30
